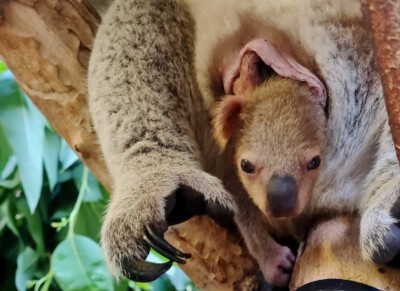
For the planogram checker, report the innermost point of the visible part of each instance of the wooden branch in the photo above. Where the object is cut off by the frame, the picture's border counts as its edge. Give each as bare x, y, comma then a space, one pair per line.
384, 19
46, 44
332, 251
219, 262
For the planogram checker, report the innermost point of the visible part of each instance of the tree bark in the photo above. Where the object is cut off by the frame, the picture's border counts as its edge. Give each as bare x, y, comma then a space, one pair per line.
384, 19
332, 251
47, 44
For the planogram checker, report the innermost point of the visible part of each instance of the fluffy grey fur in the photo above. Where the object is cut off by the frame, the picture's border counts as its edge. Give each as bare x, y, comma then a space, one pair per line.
154, 131
149, 118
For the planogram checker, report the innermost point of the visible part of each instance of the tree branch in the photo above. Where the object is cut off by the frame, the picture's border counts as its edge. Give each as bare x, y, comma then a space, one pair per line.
332, 251
384, 19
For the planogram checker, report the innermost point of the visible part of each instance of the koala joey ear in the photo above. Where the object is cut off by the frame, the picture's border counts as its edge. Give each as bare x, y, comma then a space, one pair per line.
225, 116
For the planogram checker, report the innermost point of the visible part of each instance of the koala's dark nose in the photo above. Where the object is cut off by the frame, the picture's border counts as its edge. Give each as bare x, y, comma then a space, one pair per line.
281, 195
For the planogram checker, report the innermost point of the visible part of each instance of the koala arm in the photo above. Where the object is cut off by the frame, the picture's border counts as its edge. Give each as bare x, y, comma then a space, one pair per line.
142, 96
275, 261
379, 229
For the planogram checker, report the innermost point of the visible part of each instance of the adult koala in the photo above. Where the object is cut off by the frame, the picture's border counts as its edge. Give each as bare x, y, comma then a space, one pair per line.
158, 66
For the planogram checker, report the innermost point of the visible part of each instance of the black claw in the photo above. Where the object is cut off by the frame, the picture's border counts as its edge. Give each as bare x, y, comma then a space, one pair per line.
140, 271
163, 247
164, 244
163, 252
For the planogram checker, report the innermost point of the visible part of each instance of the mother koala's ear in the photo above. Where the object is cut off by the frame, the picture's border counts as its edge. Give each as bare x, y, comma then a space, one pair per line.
225, 118
259, 60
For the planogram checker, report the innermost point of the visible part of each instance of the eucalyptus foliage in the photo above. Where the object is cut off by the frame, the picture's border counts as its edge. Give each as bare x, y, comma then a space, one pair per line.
51, 208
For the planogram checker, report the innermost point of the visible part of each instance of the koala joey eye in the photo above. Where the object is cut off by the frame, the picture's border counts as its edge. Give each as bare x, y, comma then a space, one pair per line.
247, 167
314, 163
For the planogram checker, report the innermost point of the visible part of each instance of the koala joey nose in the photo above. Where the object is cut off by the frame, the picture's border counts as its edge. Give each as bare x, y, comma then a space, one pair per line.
281, 195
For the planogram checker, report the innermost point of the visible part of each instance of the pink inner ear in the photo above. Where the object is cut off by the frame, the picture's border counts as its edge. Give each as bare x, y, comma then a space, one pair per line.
249, 73
283, 65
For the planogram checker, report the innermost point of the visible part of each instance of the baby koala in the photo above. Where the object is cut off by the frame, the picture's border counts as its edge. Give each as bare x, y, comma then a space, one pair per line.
291, 168
277, 132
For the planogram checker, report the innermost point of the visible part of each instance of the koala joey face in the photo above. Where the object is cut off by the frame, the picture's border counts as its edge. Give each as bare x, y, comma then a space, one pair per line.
277, 131
279, 147
280, 184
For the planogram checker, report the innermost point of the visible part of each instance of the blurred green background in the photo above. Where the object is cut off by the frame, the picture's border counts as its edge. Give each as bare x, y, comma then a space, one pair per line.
51, 209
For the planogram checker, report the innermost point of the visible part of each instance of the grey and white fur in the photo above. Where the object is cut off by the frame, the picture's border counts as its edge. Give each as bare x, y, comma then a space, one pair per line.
158, 66
150, 120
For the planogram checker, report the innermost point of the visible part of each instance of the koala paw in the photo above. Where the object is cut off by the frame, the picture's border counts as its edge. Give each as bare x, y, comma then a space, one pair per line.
125, 232
278, 267
141, 211
379, 237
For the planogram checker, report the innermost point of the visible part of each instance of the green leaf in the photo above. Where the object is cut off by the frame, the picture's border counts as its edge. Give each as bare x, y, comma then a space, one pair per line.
144, 286
63, 211
162, 284
3, 221
104, 192
78, 264
26, 266
9, 251
92, 191
34, 223
25, 133
67, 156
52, 144
155, 257
89, 219
3, 67
9, 168
12, 183
5, 151
65, 176
8, 210
137, 286
64, 198
121, 285
178, 278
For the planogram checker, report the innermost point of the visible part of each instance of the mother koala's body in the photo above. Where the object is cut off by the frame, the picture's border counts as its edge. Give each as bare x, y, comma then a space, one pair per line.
155, 70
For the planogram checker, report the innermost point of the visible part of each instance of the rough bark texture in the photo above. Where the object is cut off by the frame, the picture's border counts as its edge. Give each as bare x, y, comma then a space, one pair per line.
384, 19
46, 44
332, 251
219, 260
